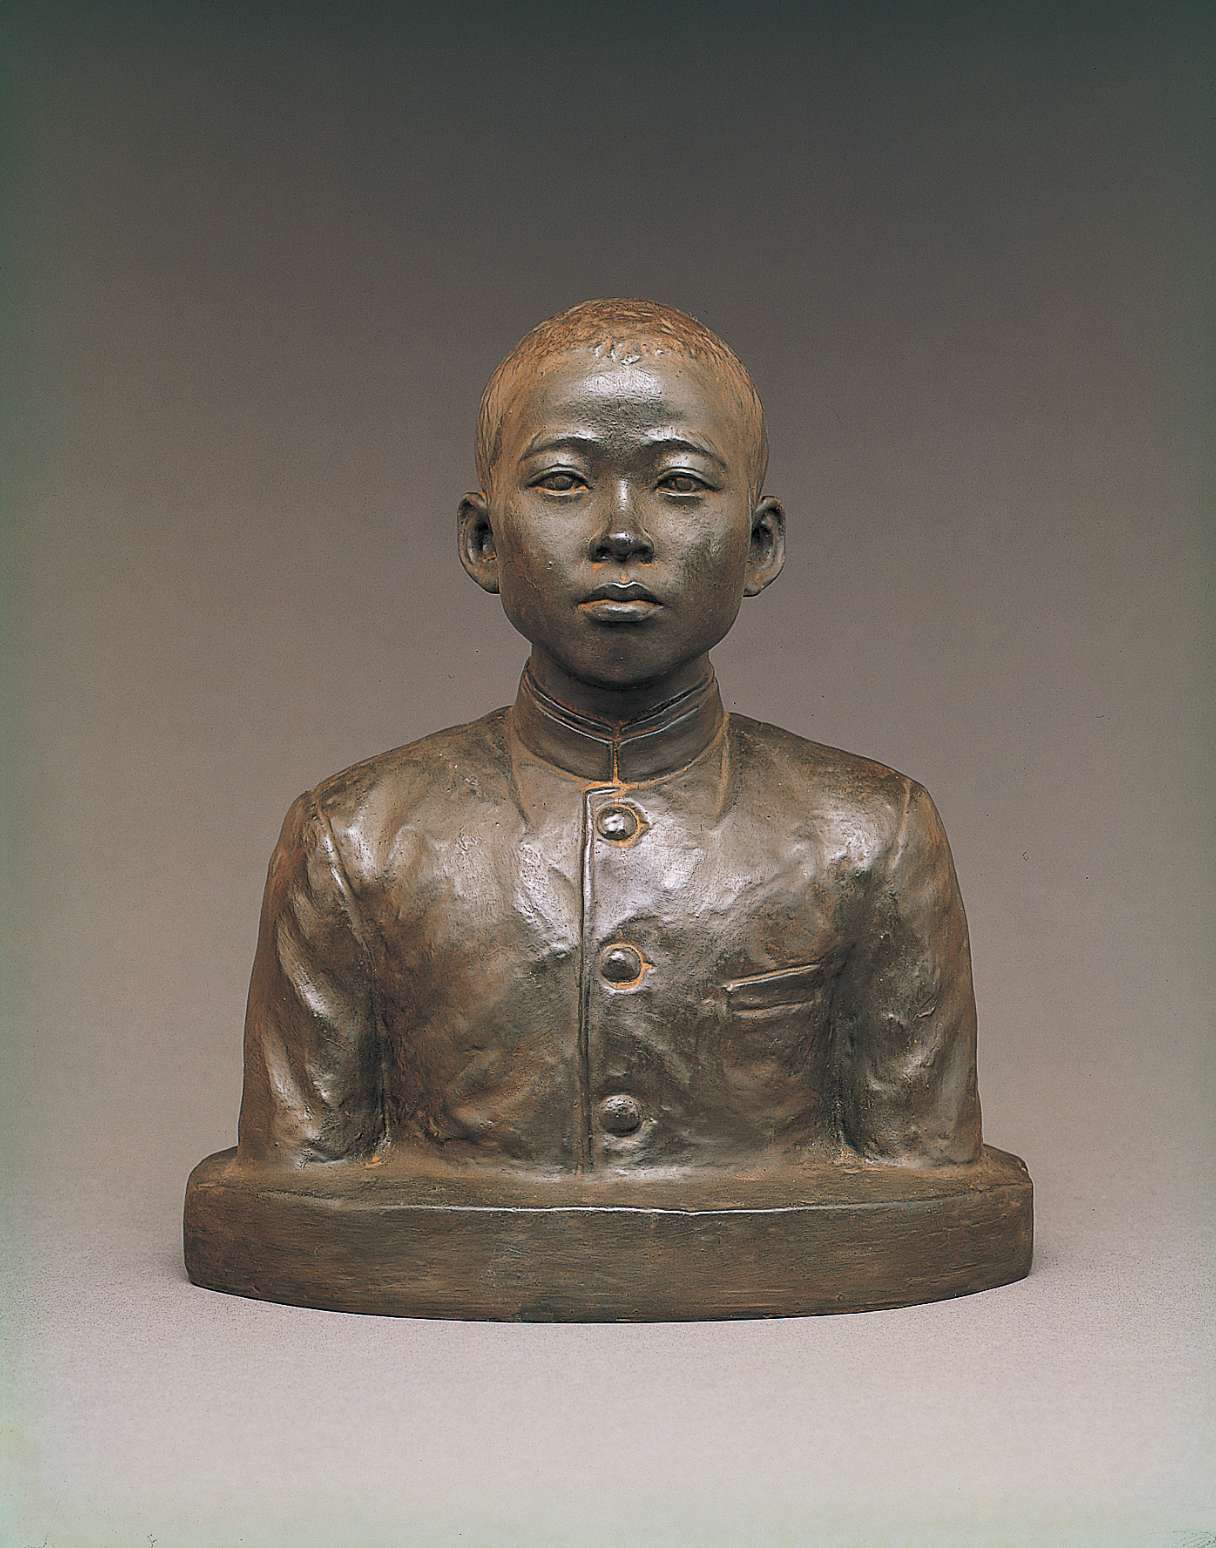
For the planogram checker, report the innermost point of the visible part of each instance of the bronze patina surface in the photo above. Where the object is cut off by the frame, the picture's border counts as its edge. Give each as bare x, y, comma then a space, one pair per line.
610, 1004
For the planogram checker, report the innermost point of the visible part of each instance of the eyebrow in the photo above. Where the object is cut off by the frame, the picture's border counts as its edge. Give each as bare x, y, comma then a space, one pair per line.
659, 442
682, 443
556, 442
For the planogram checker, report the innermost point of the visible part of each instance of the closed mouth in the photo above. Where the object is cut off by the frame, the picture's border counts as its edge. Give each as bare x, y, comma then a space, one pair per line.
630, 591
620, 604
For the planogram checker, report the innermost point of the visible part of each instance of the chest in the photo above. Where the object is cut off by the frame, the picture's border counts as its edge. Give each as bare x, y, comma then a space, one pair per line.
653, 892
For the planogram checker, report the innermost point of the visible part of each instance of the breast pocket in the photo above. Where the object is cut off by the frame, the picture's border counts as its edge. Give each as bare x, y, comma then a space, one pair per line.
770, 991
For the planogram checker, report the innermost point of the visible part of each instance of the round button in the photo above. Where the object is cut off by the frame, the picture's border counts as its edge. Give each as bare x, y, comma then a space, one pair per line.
620, 1114
621, 964
618, 823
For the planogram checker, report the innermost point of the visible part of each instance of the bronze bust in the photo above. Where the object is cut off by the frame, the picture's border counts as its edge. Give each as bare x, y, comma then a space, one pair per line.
610, 1005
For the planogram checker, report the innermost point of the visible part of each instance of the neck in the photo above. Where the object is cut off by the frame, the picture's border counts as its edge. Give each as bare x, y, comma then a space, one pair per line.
617, 706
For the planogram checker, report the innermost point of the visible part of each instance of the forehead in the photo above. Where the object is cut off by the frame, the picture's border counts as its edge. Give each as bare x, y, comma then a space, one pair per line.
578, 390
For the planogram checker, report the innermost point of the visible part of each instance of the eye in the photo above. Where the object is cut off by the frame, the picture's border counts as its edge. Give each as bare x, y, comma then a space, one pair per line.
683, 483
560, 481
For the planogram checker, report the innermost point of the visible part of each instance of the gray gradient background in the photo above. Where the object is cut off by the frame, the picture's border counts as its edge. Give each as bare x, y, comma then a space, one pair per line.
265, 260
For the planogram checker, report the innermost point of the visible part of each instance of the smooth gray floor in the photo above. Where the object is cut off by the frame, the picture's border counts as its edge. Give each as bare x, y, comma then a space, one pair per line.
1069, 1409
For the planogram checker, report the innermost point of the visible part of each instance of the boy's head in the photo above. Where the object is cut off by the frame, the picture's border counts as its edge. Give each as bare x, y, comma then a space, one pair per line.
625, 331
621, 451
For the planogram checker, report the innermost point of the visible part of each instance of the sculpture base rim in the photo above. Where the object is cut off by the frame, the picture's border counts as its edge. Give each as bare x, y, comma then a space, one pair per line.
341, 1237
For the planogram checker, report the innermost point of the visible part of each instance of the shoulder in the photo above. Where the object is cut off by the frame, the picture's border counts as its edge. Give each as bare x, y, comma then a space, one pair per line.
865, 806
830, 774
360, 809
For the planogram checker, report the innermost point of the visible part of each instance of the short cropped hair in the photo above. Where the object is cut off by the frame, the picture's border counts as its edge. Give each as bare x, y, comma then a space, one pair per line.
625, 331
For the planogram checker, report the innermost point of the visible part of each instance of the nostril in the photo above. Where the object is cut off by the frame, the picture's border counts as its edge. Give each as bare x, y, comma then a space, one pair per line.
622, 543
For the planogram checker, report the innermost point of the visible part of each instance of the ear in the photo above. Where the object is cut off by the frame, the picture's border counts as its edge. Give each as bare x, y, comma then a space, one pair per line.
766, 555
475, 541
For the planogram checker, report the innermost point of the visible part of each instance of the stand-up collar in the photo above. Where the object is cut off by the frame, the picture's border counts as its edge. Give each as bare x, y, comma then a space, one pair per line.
666, 738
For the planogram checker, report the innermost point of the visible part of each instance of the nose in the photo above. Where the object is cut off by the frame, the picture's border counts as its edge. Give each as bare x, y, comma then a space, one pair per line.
622, 535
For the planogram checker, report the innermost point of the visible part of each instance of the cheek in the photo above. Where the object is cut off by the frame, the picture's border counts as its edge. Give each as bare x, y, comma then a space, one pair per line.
712, 558
534, 555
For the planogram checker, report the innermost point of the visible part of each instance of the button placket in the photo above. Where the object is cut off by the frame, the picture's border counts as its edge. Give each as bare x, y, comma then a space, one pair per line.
614, 969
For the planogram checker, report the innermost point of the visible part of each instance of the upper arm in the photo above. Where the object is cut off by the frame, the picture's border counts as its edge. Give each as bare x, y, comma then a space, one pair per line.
908, 1028
311, 1043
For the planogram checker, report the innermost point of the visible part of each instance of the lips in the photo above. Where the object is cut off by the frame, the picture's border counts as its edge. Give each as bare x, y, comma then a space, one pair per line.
620, 602
617, 591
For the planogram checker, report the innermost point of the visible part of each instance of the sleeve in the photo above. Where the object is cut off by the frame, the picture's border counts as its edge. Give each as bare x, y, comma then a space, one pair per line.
906, 1022
312, 1049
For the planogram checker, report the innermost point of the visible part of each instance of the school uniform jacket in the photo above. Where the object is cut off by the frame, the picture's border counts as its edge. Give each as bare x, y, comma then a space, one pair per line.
542, 942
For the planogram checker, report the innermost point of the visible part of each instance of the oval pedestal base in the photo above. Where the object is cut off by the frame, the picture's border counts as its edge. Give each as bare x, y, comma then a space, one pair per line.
357, 1238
